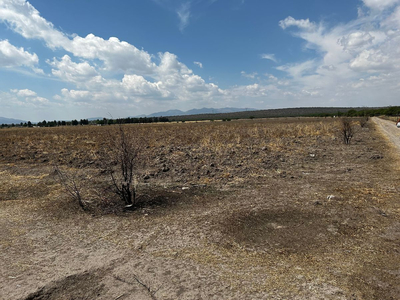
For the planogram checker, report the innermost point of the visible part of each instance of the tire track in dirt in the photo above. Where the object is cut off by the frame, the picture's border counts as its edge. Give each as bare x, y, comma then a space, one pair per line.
389, 129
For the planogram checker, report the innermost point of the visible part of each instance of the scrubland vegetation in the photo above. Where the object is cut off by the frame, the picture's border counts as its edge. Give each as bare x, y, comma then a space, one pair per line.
250, 209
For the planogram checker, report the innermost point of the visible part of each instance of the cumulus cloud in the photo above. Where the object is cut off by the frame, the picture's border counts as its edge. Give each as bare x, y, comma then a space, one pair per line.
142, 77
116, 55
70, 71
354, 60
304, 24
11, 56
24, 93
26, 20
356, 40
346, 54
27, 96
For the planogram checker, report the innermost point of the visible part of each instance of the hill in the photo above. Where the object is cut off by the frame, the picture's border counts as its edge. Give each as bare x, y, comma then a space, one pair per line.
10, 121
201, 111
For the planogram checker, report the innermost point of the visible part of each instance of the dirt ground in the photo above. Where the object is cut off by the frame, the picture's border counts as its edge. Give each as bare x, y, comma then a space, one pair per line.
229, 211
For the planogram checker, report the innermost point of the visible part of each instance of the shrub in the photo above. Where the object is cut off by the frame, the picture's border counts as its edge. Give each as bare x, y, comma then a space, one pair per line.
363, 121
121, 163
71, 185
347, 130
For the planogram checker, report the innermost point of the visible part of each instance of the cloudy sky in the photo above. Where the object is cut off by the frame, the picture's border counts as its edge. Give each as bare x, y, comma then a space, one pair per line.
67, 59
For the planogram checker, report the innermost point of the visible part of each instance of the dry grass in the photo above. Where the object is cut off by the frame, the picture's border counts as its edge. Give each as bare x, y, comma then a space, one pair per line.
270, 209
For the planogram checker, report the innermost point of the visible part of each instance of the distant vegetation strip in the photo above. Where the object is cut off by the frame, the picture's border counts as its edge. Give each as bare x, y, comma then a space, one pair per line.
294, 112
258, 114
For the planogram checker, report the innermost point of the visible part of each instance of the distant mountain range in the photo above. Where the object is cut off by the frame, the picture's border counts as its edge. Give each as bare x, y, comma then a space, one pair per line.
10, 121
168, 113
196, 111
205, 110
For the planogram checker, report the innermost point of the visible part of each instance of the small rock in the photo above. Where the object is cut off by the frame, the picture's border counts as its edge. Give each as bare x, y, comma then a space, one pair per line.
330, 197
185, 188
382, 213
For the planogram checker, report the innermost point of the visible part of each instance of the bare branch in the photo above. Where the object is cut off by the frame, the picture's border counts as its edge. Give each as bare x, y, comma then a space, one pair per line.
347, 130
71, 186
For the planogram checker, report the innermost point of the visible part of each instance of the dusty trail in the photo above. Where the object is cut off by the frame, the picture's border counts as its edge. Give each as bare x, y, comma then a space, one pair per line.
390, 130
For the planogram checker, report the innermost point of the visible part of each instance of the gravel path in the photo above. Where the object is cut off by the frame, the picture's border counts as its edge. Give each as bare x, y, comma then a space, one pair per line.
390, 130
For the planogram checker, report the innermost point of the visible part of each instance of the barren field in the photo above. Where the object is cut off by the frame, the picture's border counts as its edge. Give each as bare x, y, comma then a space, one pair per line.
261, 209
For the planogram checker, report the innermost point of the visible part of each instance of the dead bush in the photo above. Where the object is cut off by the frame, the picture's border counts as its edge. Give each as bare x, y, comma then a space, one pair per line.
363, 121
72, 186
347, 130
120, 161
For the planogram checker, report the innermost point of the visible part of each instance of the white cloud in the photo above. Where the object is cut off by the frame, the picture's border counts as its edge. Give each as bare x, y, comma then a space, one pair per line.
344, 55
184, 15
249, 75
11, 56
70, 71
24, 93
29, 97
393, 21
117, 55
380, 4
302, 24
269, 56
142, 77
173, 81
75, 94
198, 64
373, 60
356, 39
357, 60
139, 86
26, 20
298, 70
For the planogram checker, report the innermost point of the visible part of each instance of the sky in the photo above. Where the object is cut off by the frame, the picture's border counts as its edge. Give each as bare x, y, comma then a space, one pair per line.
73, 59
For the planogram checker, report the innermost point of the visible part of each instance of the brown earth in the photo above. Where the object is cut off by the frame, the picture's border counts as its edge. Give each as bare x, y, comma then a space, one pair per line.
390, 130
272, 209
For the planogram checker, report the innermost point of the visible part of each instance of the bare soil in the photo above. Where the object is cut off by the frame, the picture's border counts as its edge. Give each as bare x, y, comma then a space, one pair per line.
274, 209
390, 130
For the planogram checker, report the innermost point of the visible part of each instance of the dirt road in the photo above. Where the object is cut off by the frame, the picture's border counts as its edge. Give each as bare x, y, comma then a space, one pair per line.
390, 130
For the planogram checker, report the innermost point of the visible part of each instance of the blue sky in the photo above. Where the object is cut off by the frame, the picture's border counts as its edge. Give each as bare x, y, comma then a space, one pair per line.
67, 59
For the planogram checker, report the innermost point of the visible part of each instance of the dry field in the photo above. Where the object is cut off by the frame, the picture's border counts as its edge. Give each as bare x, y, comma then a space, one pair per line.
261, 209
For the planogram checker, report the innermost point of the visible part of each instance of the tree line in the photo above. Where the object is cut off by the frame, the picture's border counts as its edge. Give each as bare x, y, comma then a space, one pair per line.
368, 112
304, 112
104, 121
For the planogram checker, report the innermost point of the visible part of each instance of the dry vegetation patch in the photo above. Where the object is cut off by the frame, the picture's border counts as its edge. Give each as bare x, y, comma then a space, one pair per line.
262, 209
